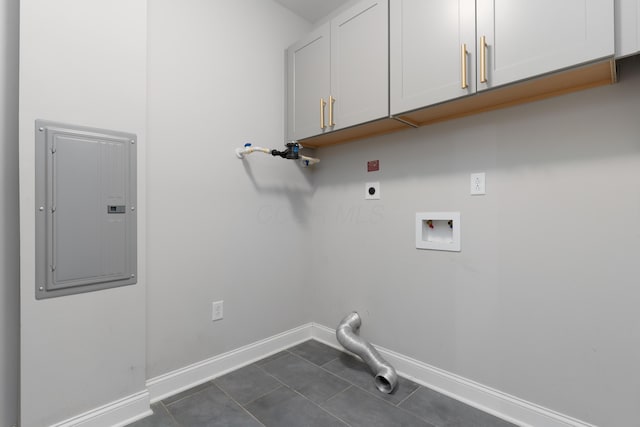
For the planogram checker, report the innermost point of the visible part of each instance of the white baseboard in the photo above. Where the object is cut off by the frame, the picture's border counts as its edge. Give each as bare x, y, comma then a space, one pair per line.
505, 406
502, 405
198, 373
115, 414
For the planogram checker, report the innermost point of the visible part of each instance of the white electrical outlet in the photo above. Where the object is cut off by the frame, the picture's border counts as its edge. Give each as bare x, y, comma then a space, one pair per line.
478, 186
217, 310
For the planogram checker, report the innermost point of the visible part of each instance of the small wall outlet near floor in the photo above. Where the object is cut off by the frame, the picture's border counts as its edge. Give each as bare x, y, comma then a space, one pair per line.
217, 310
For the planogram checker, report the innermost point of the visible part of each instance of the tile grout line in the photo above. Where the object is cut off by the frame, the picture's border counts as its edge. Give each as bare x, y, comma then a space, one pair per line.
286, 350
282, 383
363, 389
397, 405
354, 384
376, 396
265, 394
335, 395
367, 391
200, 388
349, 383
321, 367
429, 424
242, 407
279, 384
409, 395
317, 366
326, 363
170, 414
277, 358
322, 407
416, 415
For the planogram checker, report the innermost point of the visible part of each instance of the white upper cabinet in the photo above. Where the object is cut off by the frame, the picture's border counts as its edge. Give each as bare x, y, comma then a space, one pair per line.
338, 75
360, 64
525, 38
308, 83
433, 51
627, 27
444, 49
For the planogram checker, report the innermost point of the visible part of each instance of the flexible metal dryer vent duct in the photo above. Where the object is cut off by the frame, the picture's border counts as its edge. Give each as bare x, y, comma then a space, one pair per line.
385, 376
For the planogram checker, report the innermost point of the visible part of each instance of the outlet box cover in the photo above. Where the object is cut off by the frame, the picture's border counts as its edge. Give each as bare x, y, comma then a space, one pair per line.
478, 184
438, 231
372, 191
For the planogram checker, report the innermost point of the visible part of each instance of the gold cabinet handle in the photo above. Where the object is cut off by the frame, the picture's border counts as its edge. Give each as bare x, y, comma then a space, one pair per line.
463, 64
322, 104
483, 59
331, 101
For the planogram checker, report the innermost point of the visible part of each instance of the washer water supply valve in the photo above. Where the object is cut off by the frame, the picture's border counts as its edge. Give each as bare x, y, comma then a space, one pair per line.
291, 152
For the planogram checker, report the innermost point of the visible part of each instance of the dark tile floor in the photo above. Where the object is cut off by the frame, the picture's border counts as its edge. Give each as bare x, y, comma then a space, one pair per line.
311, 385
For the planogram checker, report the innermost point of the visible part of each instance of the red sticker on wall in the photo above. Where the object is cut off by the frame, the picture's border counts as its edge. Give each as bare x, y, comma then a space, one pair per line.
373, 165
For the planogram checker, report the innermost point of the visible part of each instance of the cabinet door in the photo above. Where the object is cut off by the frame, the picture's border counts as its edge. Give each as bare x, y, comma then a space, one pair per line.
360, 64
528, 38
427, 60
308, 84
627, 27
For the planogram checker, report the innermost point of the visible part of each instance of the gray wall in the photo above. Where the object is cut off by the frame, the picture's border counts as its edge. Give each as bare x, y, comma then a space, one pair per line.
9, 215
81, 62
221, 228
542, 301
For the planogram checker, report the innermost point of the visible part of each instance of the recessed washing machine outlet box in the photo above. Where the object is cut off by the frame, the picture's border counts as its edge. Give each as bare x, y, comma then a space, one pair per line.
438, 231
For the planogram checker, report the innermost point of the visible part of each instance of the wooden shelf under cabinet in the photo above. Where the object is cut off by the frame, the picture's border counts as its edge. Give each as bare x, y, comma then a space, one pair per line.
365, 130
559, 83
547, 86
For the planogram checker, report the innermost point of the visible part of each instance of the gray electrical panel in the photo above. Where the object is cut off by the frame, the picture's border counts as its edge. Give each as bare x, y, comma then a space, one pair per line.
85, 209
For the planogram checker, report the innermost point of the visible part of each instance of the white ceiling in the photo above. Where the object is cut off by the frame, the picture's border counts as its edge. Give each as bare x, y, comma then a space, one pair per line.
312, 10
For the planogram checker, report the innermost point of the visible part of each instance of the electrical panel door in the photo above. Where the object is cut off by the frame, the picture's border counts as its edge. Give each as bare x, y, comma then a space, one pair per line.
85, 209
